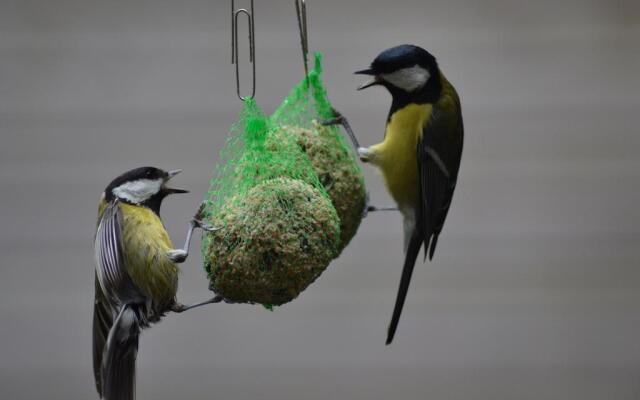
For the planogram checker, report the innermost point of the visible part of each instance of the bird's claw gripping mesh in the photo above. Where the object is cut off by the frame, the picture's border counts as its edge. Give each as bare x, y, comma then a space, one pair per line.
286, 198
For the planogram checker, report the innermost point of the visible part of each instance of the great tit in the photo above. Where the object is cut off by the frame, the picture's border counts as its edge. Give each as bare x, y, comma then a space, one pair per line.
136, 274
420, 154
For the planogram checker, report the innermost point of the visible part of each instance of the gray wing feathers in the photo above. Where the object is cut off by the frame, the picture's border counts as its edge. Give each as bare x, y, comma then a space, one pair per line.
437, 191
439, 153
112, 275
108, 252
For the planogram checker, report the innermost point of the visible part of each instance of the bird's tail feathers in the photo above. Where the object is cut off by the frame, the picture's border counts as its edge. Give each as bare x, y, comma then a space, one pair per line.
407, 270
432, 246
119, 358
102, 323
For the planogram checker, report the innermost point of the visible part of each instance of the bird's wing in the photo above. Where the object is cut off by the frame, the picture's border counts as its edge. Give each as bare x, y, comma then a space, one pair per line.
113, 285
109, 256
439, 151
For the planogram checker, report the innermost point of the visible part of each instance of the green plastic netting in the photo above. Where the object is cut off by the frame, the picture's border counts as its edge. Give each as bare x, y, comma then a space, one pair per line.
286, 198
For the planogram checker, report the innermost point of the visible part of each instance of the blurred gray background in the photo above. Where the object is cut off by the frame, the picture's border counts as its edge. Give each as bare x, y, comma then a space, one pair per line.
534, 292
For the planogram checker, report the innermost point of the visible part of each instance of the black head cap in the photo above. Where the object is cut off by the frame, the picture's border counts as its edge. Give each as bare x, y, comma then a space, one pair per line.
407, 71
399, 57
142, 186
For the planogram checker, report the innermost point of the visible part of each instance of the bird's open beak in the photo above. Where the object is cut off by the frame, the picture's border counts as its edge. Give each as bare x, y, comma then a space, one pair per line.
376, 80
169, 190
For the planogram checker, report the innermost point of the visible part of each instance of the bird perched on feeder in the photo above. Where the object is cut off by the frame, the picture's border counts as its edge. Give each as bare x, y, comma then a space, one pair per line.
136, 274
420, 154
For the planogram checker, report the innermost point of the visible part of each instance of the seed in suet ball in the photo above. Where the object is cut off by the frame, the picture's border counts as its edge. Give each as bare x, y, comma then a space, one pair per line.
274, 241
336, 169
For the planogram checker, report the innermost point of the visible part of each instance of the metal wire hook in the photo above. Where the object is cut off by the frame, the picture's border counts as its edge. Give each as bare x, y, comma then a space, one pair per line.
252, 46
301, 12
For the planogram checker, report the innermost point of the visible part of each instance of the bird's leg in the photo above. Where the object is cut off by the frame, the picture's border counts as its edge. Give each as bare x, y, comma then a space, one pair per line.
180, 255
369, 208
387, 208
339, 119
178, 308
364, 153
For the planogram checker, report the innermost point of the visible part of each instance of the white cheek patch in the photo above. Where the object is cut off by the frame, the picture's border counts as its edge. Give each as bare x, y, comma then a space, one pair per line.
408, 79
138, 191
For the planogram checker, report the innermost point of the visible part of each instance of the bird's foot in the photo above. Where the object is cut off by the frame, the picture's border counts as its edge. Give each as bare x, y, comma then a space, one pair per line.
179, 307
204, 226
177, 255
339, 119
365, 154
197, 220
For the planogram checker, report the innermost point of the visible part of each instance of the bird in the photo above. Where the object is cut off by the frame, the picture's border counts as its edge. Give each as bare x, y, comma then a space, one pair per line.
420, 154
136, 276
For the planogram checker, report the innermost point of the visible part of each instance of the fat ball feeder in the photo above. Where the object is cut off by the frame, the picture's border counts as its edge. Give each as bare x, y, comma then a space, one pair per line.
287, 196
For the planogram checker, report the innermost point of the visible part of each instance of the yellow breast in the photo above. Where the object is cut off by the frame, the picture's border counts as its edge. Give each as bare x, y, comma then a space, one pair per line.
396, 155
146, 243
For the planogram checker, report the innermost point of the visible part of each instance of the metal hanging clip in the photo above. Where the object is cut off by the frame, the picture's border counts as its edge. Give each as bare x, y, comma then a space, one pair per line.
301, 12
252, 46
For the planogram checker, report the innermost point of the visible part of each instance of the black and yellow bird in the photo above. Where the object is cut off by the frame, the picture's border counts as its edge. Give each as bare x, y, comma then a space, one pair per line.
420, 155
136, 274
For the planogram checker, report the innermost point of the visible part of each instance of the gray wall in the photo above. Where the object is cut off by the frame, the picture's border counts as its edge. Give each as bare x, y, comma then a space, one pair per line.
534, 290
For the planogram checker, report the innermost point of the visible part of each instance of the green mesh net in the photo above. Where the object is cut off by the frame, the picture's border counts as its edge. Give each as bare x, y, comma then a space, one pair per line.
286, 198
